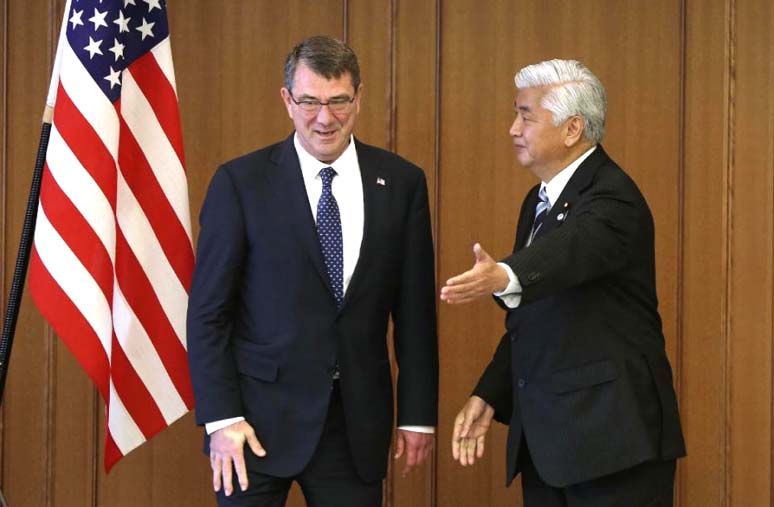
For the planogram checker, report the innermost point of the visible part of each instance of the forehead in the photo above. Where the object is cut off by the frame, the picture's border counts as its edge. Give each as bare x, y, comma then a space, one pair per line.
306, 81
529, 99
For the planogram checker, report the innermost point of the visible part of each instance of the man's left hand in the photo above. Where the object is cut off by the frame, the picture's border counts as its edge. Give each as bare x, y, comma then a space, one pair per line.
417, 447
483, 279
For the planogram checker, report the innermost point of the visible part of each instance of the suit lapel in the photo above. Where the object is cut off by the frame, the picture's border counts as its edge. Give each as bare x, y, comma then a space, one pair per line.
288, 185
376, 188
563, 206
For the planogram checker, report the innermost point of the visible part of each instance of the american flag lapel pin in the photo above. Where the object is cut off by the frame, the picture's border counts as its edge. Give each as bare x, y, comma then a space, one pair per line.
380, 181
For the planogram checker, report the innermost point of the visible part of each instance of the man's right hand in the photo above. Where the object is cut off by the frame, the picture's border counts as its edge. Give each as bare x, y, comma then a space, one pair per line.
470, 428
227, 453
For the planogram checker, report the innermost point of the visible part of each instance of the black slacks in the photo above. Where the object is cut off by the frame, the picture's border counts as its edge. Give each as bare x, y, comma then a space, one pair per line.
649, 484
329, 480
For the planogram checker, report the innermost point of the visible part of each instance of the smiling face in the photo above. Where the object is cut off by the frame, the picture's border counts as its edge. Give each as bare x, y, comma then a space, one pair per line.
324, 134
540, 145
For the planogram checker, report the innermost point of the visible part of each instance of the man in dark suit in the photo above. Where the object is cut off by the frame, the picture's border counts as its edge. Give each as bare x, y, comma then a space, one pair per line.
581, 374
307, 248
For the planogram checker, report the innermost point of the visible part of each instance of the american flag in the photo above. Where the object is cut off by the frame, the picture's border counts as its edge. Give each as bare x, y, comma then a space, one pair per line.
112, 257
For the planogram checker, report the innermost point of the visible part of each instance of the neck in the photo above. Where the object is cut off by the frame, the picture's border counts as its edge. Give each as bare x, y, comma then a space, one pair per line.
570, 155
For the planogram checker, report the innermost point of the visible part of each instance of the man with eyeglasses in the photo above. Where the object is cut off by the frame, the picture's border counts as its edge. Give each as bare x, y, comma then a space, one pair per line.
307, 248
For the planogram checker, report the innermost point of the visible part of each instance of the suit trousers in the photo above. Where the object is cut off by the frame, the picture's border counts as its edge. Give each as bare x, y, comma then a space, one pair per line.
649, 484
329, 480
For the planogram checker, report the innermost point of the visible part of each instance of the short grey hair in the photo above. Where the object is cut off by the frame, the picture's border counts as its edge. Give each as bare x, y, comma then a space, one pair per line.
575, 91
325, 56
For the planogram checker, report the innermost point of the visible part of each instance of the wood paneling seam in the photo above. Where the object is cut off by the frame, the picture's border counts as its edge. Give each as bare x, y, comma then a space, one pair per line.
730, 79
4, 218
436, 205
681, 227
771, 193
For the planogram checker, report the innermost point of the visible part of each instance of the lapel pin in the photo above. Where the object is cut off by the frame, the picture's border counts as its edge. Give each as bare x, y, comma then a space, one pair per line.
561, 217
380, 181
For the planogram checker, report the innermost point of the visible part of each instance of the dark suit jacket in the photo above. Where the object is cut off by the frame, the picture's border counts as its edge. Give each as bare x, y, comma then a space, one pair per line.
581, 371
264, 332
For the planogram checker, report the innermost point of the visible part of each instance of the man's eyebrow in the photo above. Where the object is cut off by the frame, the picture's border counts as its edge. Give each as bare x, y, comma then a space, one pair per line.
312, 97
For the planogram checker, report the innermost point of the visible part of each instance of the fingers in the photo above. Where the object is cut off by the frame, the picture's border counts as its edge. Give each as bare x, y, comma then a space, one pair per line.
416, 446
400, 445
411, 459
241, 470
255, 444
457, 435
465, 292
480, 253
480, 446
226, 469
227, 455
216, 464
470, 449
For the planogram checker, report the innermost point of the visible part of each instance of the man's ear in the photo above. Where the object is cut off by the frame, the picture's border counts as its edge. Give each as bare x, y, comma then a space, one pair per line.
574, 131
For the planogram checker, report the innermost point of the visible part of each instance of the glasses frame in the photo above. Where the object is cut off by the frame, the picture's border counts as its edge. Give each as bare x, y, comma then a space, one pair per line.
345, 105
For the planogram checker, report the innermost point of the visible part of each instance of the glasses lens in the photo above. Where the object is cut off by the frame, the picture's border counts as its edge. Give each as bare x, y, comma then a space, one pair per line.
309, 107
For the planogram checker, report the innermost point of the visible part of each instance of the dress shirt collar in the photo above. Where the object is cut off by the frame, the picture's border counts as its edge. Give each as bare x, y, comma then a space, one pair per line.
555, 187
346, 165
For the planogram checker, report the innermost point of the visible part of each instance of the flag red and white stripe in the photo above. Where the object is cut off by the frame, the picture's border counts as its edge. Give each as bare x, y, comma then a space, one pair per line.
112, 257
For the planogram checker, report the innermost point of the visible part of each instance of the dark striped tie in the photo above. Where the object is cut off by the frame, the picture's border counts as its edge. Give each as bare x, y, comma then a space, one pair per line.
541, 212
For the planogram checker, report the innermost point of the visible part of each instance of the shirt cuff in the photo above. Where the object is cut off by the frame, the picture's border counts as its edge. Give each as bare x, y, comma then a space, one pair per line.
214, 426
418, 429
511, 296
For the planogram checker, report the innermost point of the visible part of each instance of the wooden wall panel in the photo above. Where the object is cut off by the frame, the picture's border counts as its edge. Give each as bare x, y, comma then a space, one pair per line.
414, 131
369, 26
703, 380
27, 403
751, 192
475, 203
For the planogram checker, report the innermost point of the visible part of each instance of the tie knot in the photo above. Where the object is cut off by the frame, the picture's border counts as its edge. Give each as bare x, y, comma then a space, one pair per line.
327, 174
543, 195
543, 205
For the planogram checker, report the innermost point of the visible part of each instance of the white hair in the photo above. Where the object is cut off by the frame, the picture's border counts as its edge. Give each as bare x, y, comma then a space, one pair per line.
575, 91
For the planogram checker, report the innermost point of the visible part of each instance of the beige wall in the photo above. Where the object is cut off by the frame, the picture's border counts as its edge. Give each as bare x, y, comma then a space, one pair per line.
691, 117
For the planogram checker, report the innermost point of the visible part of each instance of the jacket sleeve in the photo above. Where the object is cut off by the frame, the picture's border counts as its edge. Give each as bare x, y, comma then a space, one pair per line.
496, 384
414, 319
604, 236
220, 257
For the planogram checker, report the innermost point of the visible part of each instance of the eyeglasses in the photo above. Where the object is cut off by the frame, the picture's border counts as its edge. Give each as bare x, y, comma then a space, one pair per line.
313, 106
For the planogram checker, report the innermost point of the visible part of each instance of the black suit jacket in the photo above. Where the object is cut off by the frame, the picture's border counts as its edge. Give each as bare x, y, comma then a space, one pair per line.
264, 331
581, 371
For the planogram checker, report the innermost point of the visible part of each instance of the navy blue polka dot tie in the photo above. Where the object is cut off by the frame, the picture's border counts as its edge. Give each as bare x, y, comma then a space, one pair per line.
329, 233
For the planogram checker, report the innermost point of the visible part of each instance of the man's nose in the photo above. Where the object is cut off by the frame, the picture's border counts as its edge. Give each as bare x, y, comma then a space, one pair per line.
324, 115
515, 130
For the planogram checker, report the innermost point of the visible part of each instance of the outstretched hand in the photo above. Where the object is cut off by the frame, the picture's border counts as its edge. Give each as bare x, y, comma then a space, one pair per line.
483, 279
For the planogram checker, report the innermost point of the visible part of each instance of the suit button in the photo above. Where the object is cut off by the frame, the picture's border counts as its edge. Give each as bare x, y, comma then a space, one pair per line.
522, 383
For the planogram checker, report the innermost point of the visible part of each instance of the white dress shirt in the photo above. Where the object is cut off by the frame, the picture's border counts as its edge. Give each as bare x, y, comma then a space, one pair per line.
511, 296
347, 189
